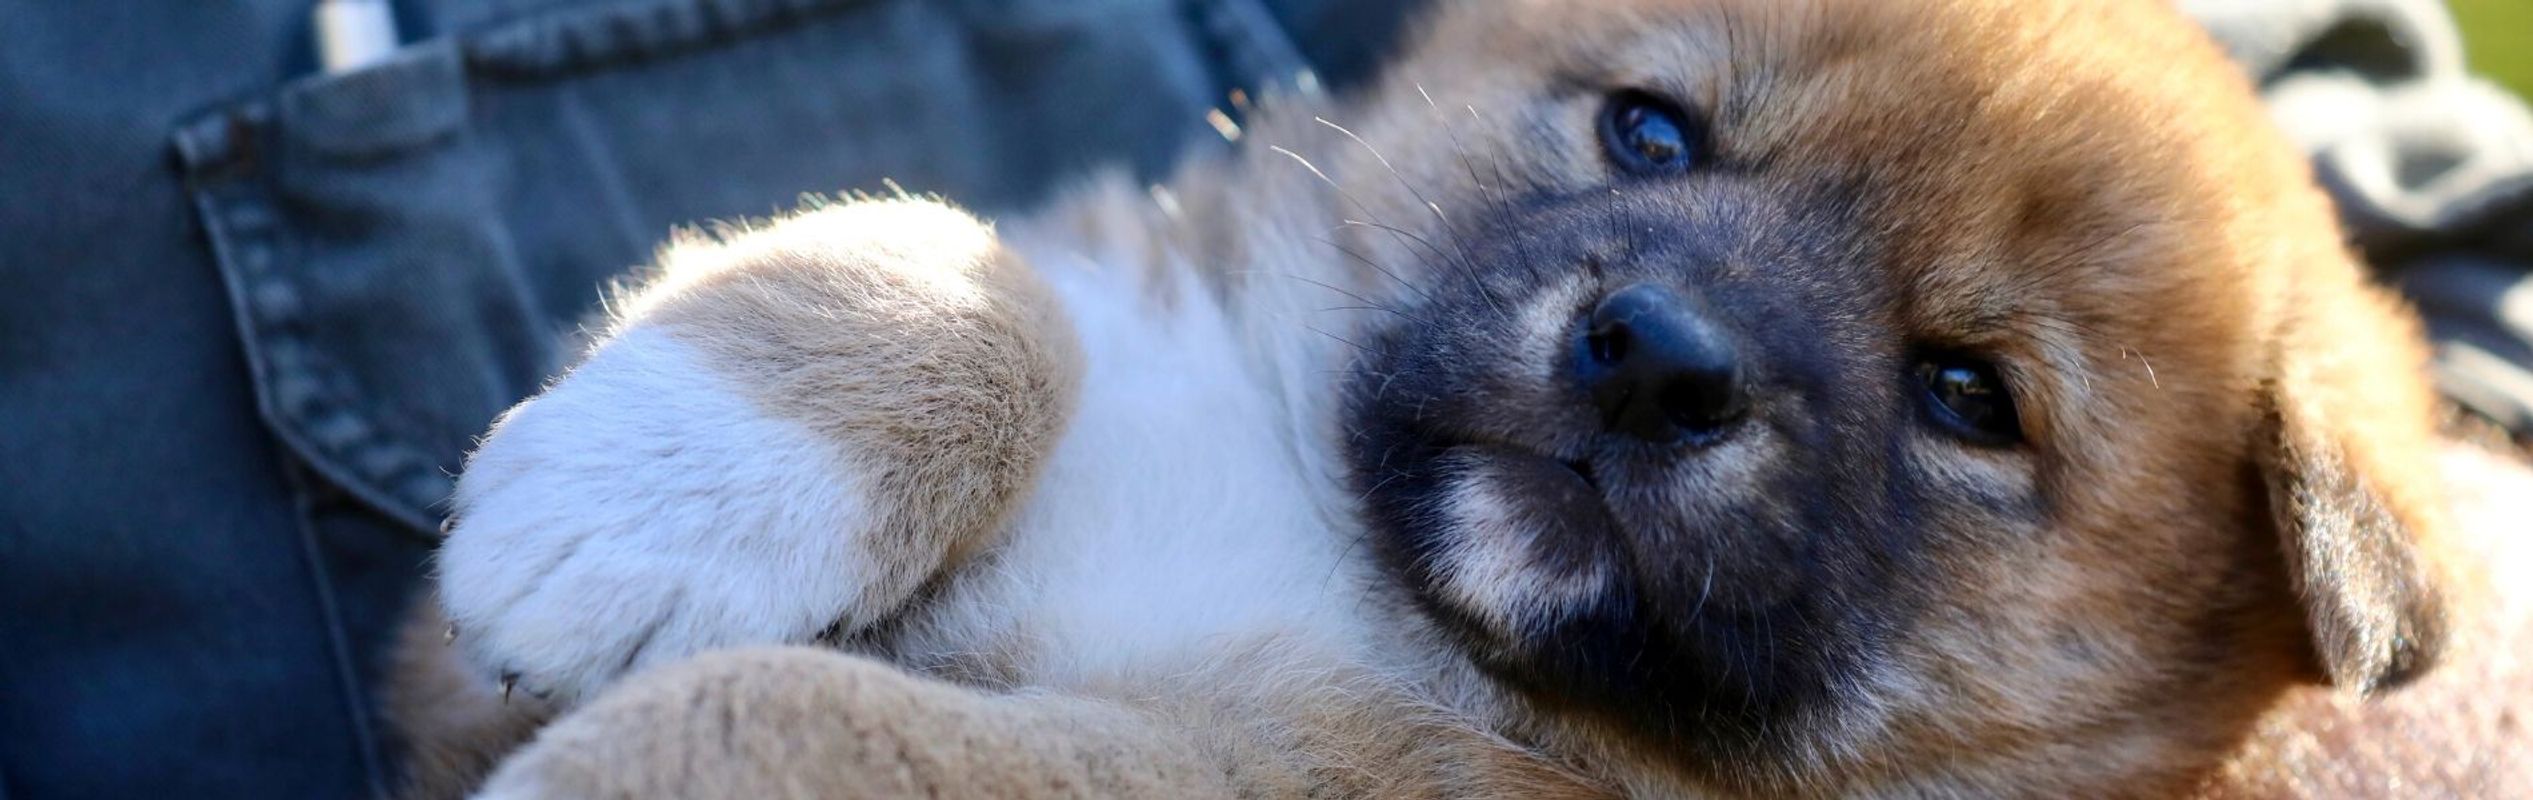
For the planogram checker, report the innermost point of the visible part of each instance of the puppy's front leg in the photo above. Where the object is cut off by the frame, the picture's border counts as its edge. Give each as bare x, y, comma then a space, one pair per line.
790, 430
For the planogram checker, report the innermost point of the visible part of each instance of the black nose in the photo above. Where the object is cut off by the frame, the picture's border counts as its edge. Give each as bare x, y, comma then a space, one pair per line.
1659, 369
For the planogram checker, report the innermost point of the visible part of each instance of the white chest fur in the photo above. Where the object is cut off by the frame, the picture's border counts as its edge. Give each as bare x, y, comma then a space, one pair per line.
1179, 516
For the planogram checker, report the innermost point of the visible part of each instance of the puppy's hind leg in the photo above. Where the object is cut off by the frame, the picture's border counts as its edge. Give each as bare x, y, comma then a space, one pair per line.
790, 430
805, 723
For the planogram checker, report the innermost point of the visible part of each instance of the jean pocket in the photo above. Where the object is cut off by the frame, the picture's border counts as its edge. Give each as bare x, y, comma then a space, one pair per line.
382, 313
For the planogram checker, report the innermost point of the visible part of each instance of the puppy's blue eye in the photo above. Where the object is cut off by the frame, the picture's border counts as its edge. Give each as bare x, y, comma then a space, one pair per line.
1966, 396
1647, 135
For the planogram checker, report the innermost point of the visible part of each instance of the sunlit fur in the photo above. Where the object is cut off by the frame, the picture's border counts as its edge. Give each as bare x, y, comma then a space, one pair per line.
1321, 414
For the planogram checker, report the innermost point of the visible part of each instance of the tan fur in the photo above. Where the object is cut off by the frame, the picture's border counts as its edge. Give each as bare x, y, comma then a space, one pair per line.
2231, 441
979, 367
814, 723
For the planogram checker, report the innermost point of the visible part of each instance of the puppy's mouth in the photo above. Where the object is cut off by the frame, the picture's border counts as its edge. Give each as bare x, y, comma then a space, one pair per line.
1558, 507
1569, 466
1506, 542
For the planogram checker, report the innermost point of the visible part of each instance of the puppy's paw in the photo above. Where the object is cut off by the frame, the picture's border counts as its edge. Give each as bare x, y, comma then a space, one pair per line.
793, 428
641, 510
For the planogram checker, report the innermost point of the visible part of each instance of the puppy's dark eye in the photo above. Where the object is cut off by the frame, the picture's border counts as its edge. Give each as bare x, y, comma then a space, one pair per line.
1647, 135
1966, 396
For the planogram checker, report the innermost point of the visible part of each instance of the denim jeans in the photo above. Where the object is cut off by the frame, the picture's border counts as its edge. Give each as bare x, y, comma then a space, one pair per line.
251, 317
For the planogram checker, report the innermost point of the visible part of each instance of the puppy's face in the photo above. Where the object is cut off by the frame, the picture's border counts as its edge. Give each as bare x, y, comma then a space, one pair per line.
1824, 396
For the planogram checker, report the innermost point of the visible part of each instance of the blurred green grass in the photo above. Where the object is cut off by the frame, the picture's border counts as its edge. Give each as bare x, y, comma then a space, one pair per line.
2498, 38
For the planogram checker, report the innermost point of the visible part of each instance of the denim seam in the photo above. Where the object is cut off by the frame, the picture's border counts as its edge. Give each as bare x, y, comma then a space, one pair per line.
219, 154
231, 197
347, 676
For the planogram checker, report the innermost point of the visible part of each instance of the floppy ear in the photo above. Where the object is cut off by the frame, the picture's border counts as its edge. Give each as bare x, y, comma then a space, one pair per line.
2349, 462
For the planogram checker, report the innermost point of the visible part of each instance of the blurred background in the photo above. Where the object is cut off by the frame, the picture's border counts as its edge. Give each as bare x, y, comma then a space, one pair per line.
2499, 36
